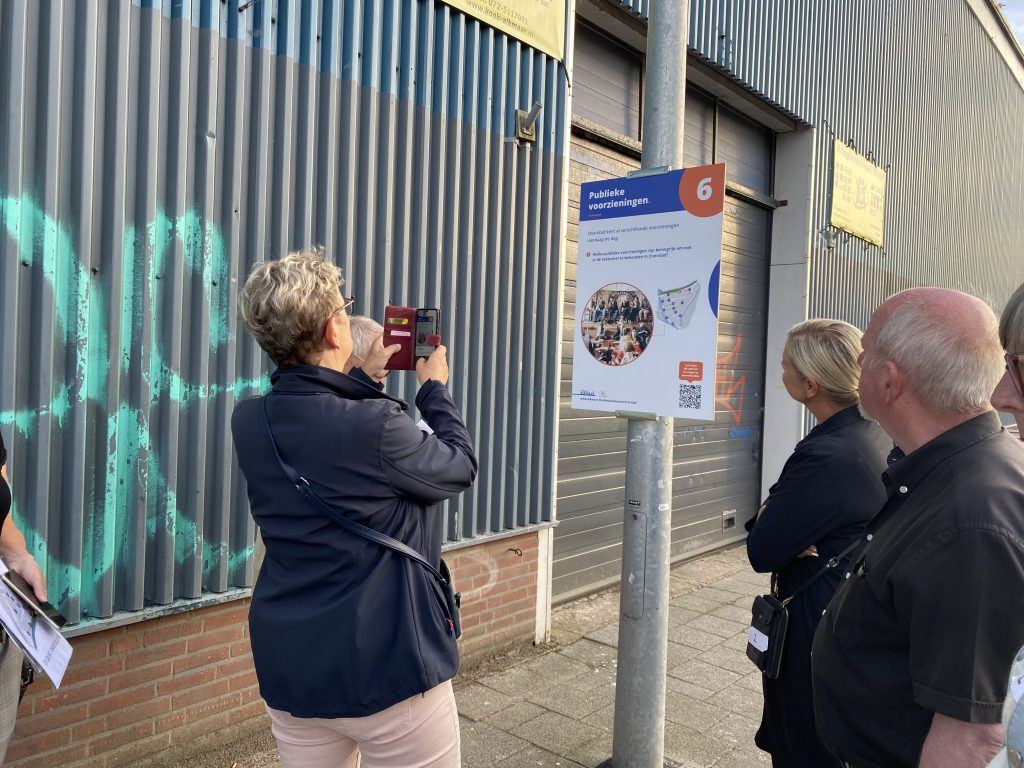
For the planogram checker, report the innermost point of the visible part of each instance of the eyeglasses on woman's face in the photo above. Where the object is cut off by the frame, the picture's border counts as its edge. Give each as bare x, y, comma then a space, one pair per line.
345, 307
1015, 367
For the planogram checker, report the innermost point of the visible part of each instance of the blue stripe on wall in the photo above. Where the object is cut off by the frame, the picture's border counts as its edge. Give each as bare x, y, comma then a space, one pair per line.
407, 48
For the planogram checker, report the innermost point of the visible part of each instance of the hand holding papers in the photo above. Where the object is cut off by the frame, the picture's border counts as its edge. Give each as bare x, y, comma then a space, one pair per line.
31, 628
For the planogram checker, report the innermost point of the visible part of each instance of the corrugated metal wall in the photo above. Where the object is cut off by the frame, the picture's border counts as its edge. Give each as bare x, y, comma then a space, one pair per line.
640, 8
894, 83
607, 82
919, 88
150, 153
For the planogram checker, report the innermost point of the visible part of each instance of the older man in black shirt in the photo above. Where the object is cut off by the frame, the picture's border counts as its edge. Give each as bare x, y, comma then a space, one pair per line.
910, 658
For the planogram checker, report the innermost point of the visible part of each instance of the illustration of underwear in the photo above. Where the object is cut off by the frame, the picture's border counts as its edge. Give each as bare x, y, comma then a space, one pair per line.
676, 305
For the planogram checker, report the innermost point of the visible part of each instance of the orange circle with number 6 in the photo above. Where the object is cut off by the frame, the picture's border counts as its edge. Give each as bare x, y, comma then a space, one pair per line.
702, 190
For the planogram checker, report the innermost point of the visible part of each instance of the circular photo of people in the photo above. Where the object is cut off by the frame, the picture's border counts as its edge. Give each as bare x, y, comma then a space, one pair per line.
617, 324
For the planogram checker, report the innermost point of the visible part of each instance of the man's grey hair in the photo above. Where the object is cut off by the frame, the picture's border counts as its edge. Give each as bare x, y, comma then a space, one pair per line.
364, 330
950, 368
1011, 326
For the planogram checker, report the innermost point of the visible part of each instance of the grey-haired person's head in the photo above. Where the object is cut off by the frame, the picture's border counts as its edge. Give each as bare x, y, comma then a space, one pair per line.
365, 331
937, 346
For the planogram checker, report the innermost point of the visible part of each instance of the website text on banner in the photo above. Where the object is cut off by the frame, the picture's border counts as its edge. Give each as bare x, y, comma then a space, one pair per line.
647, 293
538, 23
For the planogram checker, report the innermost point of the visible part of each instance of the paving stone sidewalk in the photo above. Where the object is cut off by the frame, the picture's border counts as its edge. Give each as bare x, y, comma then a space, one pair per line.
557, 709
554, 706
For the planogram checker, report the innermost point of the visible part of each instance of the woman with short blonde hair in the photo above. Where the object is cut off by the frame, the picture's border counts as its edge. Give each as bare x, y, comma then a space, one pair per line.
829, 489
826, 352
353, 646
284, 304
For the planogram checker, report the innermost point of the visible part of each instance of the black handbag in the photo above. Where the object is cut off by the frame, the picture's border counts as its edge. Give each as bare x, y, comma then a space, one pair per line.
28, 672
448, 599
769, 619
28, 676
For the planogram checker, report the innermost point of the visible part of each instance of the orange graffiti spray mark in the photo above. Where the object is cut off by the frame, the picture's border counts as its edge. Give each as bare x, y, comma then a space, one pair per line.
729, 385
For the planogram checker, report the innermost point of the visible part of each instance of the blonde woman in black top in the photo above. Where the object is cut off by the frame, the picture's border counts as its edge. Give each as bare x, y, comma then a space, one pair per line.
17, 558
829, 489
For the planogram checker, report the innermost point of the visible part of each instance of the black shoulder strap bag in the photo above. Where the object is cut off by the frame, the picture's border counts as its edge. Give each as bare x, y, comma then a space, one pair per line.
770, 618
449, 600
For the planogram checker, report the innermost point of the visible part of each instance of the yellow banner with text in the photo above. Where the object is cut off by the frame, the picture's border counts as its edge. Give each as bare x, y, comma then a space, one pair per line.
858, 195
538, 23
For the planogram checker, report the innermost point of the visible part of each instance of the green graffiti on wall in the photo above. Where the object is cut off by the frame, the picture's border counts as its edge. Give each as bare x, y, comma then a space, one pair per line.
135, 469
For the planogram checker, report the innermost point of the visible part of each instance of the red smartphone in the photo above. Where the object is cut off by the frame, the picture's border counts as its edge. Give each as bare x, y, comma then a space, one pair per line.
417, 331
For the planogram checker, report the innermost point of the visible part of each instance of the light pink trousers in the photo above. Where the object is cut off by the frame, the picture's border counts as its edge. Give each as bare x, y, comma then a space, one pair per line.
420, 732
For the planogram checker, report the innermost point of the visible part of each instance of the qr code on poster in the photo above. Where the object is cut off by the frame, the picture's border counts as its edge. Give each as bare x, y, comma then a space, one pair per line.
689, 395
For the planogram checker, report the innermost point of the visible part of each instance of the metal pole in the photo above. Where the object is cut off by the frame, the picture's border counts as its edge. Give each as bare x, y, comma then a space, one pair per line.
639, 736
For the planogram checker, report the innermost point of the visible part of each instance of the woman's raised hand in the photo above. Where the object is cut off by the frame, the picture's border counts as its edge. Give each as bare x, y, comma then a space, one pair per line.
434, 367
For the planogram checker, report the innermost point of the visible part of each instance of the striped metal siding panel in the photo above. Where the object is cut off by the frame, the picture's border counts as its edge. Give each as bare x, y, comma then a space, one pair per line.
607, 80
890, 78
150, 153
639, 8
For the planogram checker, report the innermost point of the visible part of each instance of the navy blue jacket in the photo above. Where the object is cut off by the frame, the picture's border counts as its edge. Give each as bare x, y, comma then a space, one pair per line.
340, 626
829, 489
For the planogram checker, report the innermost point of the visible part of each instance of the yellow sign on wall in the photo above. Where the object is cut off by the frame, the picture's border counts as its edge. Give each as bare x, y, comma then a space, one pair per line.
538, 23
858, 195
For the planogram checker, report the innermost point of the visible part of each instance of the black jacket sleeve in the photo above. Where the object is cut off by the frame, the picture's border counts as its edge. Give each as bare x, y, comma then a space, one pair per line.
429, 468
361, 375
801, 508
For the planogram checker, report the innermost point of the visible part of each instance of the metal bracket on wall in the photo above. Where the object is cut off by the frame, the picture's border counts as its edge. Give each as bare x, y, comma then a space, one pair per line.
526, 122
640, 172
639, 416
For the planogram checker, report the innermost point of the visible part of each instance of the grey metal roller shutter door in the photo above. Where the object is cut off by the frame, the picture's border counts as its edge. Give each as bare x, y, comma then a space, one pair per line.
717, 466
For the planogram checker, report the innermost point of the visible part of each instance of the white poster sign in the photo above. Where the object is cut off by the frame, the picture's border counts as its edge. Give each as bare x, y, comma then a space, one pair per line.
34, 634
646, 326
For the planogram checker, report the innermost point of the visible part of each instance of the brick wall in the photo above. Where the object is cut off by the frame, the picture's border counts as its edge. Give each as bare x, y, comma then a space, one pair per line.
135, 691
179, 684
499, 592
